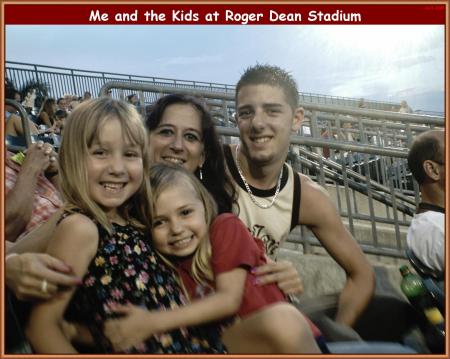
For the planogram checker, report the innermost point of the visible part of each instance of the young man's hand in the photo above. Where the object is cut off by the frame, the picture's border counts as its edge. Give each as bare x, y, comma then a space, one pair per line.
283, 273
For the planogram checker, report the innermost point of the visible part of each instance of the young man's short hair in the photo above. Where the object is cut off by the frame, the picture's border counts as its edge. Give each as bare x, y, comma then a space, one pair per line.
273, 76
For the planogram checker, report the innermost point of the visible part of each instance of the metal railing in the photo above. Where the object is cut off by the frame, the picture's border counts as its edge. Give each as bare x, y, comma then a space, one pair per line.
24, 120
367, 179
63, 80
372, 187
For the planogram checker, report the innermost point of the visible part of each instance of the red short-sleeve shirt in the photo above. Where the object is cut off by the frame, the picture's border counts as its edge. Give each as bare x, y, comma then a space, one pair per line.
234, 247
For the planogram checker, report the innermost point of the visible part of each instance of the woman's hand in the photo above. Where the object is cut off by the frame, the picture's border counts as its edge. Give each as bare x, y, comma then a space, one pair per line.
132, 328
283, 273
37, 275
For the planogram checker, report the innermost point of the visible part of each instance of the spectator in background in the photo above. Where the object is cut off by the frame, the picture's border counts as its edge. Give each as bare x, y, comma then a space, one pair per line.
325, 149
133, 99
69, 98
347, 134
31, 176
86, 96
47, 115
426, 234
29, 101
17, 96
362, 103
62, 104
13, 122
58, 125
404, 107
74, 102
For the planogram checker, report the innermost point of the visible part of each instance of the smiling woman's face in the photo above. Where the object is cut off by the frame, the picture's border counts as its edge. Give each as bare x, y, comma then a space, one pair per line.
178, 138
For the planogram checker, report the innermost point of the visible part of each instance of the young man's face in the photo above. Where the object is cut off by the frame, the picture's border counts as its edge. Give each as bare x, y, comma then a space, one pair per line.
265, 122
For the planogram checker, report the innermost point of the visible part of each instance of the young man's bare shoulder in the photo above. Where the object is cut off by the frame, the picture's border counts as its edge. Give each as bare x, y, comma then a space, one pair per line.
310, 187
316, 206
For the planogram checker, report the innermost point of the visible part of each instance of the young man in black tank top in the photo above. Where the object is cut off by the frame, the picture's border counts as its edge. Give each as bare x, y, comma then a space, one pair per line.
267, 113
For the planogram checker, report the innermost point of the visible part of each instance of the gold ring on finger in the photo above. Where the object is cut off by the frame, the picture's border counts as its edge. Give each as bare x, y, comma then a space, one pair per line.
44, 286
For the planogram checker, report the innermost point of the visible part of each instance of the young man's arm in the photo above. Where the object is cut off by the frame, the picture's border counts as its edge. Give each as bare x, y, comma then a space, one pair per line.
321, 216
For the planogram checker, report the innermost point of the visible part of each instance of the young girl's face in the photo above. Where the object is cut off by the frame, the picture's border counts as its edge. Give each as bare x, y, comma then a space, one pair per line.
114, 167
179, 223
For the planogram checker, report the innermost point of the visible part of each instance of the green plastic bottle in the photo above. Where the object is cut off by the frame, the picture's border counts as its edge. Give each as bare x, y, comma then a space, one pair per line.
413, 288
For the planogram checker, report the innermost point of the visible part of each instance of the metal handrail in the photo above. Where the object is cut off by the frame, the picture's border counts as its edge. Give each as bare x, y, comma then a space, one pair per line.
345, 146
70, 70
348, 101
385, 193
24, 118
378, 114
337, 167
358, 187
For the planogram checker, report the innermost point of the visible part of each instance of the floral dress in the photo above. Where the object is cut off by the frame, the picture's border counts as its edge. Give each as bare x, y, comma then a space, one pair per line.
126, 269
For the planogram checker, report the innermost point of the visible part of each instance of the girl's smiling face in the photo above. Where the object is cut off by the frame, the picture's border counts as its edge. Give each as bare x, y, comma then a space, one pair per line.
179, 223
114, 167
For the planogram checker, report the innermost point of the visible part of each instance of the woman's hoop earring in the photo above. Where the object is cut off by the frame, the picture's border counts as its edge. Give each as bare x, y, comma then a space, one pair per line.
201, 174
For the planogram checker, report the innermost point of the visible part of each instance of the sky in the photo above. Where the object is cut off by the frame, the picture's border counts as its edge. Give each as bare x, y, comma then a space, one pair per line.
376, 62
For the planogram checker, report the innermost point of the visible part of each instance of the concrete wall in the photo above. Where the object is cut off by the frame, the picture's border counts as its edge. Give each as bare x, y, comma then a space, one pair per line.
321, 275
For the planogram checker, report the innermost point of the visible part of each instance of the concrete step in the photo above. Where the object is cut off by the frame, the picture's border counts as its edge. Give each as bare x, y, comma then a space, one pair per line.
359, 203
364, 233
321, 275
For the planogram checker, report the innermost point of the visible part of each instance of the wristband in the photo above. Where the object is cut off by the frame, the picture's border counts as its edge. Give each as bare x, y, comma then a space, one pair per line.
19, 157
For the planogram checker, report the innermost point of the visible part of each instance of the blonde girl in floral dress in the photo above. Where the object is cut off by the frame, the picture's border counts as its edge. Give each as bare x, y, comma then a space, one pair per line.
101, 235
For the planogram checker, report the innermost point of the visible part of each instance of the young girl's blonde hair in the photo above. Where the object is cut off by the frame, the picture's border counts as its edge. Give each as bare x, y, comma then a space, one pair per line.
81, 130
163, 176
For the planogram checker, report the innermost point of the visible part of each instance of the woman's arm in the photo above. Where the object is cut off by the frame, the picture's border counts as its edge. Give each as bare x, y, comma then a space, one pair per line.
37, 240
45, 119
75, 234
25, 272
139, 324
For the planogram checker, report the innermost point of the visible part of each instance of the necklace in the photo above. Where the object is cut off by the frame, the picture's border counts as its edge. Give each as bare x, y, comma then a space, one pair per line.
252, 197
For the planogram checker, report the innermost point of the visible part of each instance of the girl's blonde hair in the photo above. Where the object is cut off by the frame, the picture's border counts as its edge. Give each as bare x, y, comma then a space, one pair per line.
164, 175
81, 130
